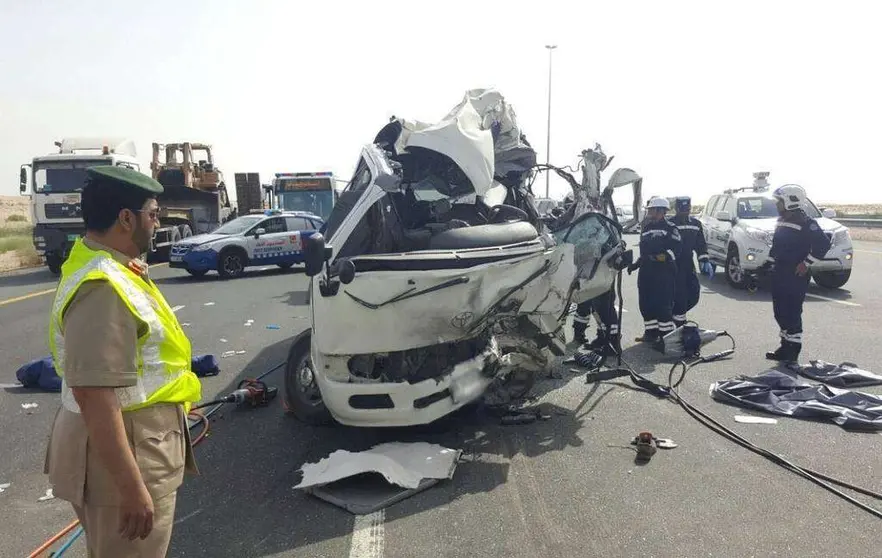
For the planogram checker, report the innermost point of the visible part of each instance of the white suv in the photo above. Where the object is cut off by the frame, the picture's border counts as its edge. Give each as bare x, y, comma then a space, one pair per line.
739, 225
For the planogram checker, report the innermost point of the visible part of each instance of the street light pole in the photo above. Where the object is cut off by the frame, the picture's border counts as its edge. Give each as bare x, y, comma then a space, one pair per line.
548, 141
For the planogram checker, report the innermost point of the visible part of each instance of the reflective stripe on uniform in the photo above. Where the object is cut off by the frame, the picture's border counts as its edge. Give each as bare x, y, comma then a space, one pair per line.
580, 319
688, 227
666, 326
153, 370
793, 337
680, 318
671, 253
651, 324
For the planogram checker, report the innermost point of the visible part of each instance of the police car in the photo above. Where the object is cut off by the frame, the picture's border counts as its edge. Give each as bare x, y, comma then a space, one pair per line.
739, 225
271, 237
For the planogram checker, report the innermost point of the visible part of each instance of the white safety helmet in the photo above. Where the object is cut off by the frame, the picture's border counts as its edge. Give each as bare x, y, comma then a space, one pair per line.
791, 195
659, 202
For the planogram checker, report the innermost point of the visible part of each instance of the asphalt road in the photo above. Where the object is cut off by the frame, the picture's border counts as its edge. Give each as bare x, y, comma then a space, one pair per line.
567, 486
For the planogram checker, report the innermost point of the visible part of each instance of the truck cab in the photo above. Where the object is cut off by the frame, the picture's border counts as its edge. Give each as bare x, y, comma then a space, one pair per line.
54, 183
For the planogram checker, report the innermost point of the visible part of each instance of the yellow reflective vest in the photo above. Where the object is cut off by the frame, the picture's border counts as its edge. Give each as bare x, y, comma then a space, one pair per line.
164, 356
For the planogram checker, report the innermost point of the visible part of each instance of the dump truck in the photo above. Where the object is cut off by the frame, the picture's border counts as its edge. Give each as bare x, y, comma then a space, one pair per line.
195, 199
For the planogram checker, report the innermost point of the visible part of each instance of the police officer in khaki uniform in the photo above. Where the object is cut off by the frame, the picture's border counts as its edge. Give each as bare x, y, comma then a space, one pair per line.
119, 445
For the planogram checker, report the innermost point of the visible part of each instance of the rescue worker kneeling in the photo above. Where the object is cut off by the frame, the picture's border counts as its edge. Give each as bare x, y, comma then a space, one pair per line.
119, 446
656, 281
798, 242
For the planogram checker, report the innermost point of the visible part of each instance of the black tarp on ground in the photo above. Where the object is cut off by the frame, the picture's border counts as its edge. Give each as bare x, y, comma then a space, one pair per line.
844, 375
779, 393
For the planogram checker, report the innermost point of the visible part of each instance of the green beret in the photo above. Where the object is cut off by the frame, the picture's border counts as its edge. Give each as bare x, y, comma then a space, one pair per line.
126, 177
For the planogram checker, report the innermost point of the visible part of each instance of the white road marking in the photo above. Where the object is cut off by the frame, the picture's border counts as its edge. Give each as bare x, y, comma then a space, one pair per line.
368, 536
845, 302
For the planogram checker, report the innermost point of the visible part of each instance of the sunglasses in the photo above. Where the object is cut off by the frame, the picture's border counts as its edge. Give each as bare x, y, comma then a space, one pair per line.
153, 213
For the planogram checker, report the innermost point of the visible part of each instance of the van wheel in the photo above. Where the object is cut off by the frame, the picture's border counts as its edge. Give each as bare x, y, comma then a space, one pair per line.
231, 263
303, 399
832, 279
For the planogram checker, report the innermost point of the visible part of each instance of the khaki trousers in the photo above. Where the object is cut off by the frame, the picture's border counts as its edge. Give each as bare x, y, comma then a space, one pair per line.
101, 524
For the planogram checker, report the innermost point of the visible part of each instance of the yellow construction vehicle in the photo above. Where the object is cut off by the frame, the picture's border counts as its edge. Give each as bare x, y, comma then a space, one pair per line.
195, 200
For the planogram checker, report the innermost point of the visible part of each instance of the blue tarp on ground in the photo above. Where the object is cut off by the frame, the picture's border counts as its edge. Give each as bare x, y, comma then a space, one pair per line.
40, 373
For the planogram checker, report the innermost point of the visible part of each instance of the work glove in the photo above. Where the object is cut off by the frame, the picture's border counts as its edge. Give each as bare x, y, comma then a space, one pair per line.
633, 267
708, 269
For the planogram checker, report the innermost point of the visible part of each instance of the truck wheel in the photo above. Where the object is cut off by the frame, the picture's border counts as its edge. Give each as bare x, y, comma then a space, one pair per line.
231, 263
302, 396
832, 279
734, 272
53, 262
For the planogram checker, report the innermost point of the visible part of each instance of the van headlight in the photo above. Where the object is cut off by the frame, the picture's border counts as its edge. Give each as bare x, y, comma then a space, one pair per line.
842, 236
201, 247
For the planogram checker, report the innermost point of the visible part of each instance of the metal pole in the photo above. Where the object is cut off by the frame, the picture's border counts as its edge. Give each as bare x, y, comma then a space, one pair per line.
548, 141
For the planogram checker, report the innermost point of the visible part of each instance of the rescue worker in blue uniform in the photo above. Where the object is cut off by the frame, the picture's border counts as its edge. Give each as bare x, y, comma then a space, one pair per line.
659, 245
608, 338
797, 243
692, 240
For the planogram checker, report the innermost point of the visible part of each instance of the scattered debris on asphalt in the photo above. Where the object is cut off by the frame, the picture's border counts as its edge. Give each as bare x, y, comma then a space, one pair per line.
185, 324
368, 481
180, 306
4, 486
747, 419
524, 415
249, 322
646, 445
227, 354
48, 496
208, 304
29, 405
222, 340
273, 327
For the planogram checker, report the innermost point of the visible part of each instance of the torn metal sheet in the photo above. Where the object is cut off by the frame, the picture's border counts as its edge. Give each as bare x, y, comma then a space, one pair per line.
844, 375
371, 480
778, 393
402, 464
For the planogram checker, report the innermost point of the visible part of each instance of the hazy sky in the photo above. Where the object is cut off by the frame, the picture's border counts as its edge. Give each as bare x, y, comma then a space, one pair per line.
692, 95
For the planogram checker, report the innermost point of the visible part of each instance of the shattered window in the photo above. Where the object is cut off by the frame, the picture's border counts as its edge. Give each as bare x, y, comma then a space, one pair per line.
593, 237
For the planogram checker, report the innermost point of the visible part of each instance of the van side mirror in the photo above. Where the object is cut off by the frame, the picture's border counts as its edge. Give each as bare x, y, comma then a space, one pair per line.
724, 216
829, 213
259, 232
314, 254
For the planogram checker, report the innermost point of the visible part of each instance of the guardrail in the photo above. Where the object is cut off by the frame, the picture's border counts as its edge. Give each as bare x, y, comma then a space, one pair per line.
860, 223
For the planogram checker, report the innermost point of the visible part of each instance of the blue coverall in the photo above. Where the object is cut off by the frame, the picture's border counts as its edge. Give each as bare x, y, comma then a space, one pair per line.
688, 288
659, 245
798, 239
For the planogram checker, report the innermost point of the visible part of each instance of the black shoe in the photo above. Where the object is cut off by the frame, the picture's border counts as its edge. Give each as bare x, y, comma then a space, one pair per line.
787, 353
612, 346
650, 336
